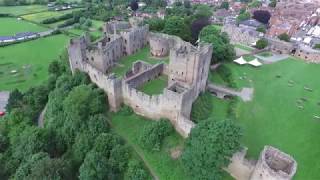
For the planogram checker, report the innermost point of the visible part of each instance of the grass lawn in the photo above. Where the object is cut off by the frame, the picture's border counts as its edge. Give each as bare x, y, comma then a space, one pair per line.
125, 63
244, 47
26, 64
11, 26
274, 118
265, 54
161, 162
39, 17
20, 10
155, 86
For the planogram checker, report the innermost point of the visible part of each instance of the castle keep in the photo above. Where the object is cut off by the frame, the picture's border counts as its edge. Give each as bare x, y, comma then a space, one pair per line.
187, 71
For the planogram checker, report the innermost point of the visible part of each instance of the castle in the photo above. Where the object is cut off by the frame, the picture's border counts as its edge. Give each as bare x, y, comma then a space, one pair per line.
187, 71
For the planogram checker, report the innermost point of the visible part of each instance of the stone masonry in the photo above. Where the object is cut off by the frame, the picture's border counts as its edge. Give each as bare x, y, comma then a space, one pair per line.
187, 71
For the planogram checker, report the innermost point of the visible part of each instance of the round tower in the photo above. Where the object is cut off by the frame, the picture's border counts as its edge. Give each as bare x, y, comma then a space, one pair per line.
274, 165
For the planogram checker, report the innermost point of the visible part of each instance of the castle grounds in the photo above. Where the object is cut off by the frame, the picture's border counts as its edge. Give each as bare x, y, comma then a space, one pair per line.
282, 113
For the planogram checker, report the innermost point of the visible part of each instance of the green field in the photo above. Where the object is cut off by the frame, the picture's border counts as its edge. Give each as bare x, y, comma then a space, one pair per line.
155, 86
39, 17
26, 64
13, 26
20, 10
125, 63
94, 30
244, 47
161, 162
274, 116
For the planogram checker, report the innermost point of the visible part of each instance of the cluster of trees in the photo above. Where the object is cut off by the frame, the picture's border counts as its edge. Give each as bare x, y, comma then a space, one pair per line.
209, 148
284, 37
262, 43
153, 134
57, 19
223, 50
75, 143
183, 20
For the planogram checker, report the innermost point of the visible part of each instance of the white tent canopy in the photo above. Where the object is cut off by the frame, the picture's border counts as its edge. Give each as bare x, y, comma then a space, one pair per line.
255, 63
240, 61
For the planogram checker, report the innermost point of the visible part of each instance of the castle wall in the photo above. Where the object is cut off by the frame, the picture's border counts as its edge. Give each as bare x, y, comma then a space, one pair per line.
113, 26
308, 54
76, 51
110, 84
135, 39
159, 45
240, 35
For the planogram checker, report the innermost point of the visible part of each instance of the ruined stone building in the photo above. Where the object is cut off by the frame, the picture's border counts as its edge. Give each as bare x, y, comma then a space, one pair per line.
187, 71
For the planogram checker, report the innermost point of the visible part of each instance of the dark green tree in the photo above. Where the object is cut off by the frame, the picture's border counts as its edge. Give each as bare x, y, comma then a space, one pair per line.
223, 50
176, 26
284, 37
209, 148
224, 5
261, 43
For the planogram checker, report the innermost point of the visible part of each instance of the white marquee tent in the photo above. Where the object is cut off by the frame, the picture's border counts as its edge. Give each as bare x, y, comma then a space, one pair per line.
255, 63
240, 61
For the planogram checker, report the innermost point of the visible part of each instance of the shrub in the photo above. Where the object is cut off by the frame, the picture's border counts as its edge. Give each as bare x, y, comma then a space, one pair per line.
136, 171
261, 43
125, 111
284, 37
226, 75
153, 134
261, 29
201, 108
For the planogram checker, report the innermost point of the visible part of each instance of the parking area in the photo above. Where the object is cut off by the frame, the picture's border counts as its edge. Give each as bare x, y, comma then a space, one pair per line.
4, 96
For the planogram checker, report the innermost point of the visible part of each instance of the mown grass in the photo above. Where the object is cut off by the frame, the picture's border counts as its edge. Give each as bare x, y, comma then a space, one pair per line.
155, 86
39, 17
26, 64
11, 26
244, 47
20, 10
161, 162
273, 116
126, 62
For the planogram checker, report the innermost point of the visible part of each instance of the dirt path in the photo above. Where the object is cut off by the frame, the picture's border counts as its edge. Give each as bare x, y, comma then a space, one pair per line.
41, 117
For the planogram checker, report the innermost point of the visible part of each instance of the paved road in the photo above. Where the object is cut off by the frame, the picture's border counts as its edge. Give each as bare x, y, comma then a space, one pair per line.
4, 97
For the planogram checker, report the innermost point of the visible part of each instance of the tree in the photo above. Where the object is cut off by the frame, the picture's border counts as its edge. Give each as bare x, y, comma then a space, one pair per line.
255, 4
176, 26
273, 3
225, 5
155, 24
153, 134
317, 46
136, 171
261, 29
243, 16
209, 148
94, 167
197, 26
261, 43
134, 5
284, 37
14, 101
202, 11
223, 50
262, 16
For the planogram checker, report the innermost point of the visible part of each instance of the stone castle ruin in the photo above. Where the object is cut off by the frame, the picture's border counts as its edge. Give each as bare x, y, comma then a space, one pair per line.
272, 165
187, 71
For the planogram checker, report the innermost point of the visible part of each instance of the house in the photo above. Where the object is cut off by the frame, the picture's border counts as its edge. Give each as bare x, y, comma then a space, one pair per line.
250, 24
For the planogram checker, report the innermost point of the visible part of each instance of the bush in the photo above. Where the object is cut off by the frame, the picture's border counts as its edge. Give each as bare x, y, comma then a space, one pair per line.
125, 111
261, 43
261, 29
136, 171
153, 134
284, 37
201, 108
226, 75
317, 46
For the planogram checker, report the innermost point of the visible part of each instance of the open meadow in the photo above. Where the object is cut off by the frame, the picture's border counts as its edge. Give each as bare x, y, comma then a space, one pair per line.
13, 26
21, 10
26, 64
39, 17
283, 112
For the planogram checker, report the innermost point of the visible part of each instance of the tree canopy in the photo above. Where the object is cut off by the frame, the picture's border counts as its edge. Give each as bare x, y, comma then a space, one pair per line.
209, 148
223, 50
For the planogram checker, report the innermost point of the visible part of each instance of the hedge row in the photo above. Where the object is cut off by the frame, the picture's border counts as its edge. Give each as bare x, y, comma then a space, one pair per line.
57, 19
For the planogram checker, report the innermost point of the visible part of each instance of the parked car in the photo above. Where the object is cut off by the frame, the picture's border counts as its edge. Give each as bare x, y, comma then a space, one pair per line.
2, 113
